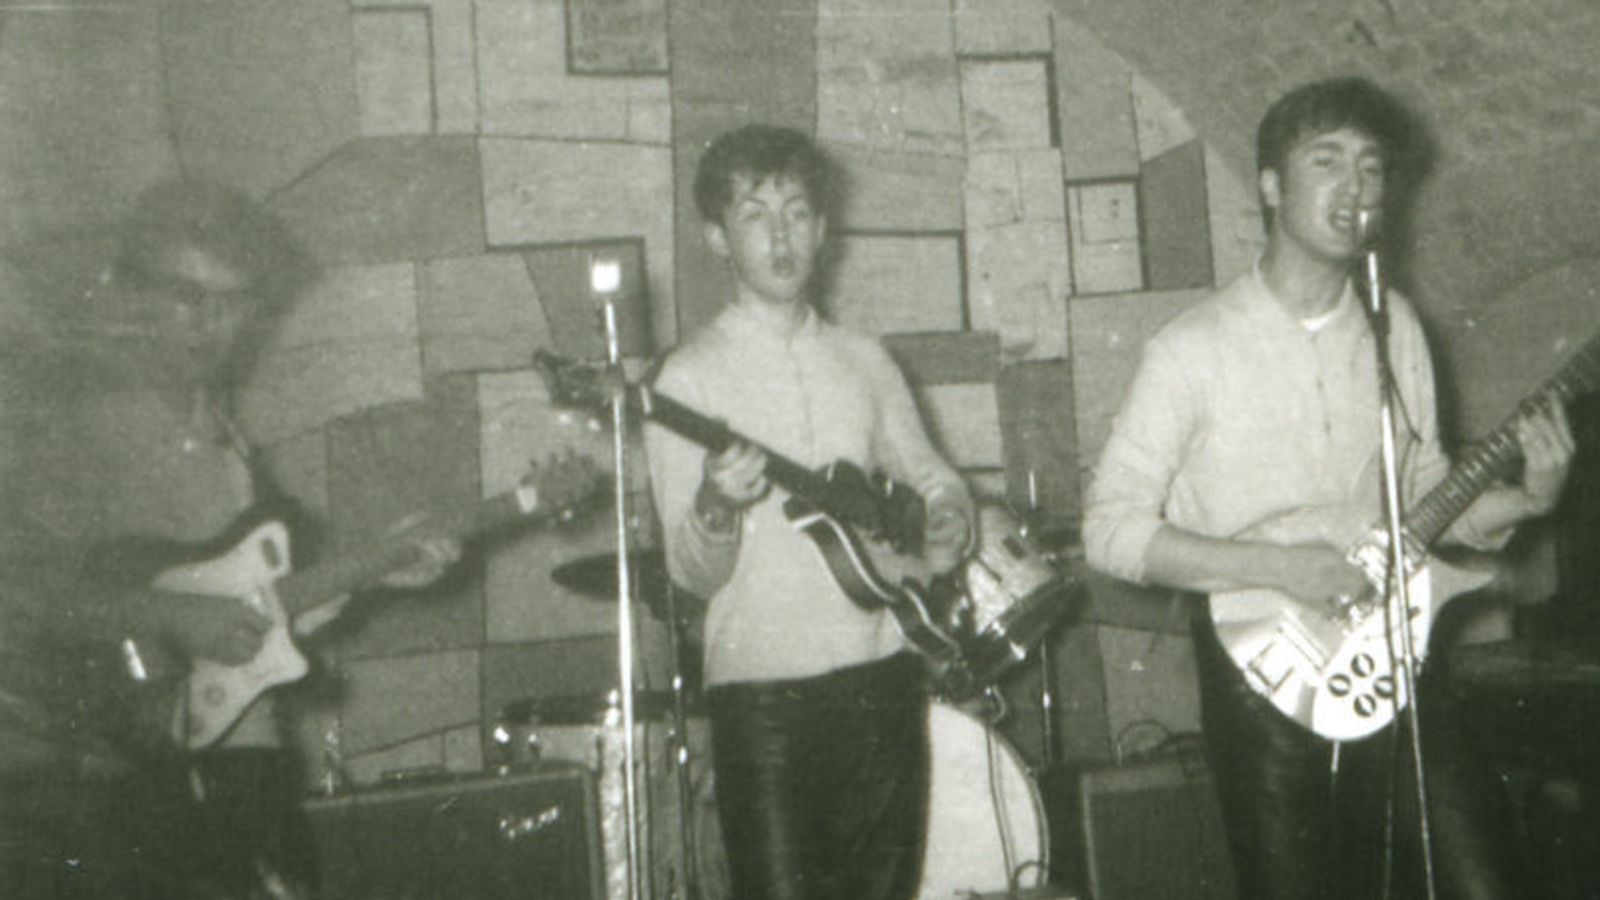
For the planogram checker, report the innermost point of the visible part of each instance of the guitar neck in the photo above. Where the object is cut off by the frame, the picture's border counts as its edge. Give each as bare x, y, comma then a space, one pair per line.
304, 590
715, 436
1496, 455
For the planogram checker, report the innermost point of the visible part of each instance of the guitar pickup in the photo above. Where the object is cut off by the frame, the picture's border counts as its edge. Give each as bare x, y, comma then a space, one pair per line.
1270, 668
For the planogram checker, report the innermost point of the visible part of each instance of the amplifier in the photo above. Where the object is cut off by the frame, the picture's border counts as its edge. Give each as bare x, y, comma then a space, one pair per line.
1154, 829
531, 833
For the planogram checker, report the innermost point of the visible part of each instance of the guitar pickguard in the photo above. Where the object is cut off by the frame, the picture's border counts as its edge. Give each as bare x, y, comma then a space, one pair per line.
216, 695
1338, 676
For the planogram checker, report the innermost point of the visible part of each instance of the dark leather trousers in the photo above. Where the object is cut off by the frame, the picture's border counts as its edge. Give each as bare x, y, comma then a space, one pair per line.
822, 783
1298, 830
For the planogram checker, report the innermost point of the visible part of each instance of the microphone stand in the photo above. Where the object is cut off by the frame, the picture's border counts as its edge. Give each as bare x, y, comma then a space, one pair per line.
689, 853
605, 278
1396, 595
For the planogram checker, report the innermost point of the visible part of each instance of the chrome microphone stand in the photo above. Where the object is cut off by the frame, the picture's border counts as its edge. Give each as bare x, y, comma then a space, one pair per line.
605, 280
1395, 592
689, 860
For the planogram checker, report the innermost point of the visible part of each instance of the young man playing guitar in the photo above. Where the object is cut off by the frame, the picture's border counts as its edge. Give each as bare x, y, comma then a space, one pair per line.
1245, 457
817, 713
129, 433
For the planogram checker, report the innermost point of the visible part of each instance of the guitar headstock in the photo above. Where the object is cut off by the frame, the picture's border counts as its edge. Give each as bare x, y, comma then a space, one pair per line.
577, 383
567, 485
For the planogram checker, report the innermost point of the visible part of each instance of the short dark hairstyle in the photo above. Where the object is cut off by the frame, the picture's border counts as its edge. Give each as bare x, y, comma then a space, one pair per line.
1324, 106
759, 152
221, 221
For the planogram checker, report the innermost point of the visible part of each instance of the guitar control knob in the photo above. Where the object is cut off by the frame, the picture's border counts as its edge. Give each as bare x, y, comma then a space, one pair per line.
1339, 685
1362, 665
1383, 685
1365, 706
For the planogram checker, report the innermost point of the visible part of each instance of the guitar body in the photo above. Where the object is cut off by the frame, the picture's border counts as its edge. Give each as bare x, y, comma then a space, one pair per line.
928, 618
1335, 674
214, 696
250, 563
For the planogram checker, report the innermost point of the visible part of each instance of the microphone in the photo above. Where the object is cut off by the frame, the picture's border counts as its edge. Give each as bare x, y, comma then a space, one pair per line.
1366, 239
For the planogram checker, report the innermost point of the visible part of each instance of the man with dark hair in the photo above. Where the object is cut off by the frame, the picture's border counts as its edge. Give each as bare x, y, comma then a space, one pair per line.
127, 432
819, 741
1245, 457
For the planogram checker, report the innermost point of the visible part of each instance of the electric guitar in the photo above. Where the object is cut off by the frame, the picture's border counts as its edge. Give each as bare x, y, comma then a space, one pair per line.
858, 522
1335, 673
249, 562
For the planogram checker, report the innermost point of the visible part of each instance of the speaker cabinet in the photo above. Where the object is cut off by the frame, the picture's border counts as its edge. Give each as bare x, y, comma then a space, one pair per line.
481, 837
1154, 829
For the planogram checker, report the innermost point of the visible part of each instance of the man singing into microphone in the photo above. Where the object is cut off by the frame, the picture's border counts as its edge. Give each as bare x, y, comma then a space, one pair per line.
1261, 405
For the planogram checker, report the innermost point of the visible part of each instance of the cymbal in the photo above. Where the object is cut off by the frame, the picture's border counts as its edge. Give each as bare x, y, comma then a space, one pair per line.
595, 577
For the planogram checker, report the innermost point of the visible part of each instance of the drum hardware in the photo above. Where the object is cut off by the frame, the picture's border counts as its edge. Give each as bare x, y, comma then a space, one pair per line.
1014, 595
1054, 540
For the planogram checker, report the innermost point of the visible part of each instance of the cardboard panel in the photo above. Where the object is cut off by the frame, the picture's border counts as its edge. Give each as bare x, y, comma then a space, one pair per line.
1093, 105
553, 192
946, 358
1041, 447
1002, 27
1104, 223
239, 113
390, 199
479, 312
888, 191
527, 88
1005, 104
886, 75
1161, 125
1237, 233
888, 284
617, 37
1176, 219
394, 77
964, 422
454, 59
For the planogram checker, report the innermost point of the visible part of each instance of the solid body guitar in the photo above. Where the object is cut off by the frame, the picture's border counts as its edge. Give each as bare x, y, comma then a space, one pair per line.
251, 563
216, 695
1336, 674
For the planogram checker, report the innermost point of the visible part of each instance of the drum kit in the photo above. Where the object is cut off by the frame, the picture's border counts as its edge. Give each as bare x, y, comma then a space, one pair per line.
987, 829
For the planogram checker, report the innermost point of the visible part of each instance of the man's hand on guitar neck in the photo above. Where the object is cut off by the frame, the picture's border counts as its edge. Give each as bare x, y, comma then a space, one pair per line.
1547, 447
730, 482
435, 553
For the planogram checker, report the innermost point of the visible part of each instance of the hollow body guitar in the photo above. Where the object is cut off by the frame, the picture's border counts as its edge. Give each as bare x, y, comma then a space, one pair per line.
1336, 673
860, 524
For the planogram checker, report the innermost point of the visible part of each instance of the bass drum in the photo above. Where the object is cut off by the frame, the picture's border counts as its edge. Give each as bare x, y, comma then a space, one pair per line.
985, 816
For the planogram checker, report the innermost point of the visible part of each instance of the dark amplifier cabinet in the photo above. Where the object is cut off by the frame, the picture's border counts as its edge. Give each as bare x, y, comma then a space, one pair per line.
1153, 829
521, 836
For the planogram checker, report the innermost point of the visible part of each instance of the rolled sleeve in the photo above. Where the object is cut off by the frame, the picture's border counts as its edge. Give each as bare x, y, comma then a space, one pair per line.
1125, 504
698, 560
